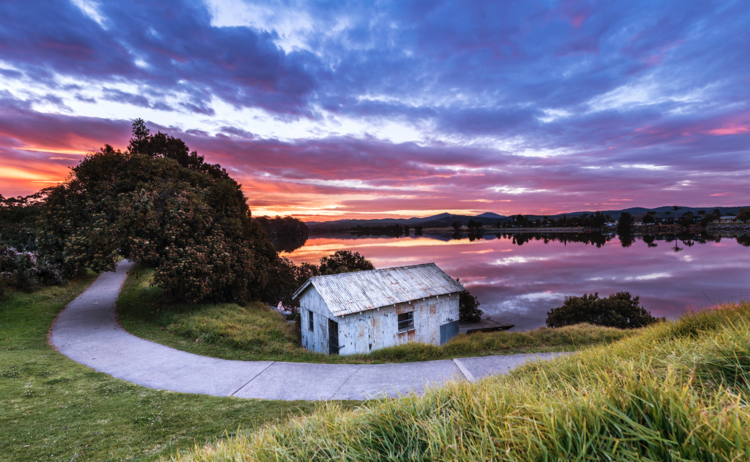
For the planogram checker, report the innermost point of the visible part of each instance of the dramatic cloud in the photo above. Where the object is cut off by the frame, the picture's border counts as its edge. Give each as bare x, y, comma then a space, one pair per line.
393, 108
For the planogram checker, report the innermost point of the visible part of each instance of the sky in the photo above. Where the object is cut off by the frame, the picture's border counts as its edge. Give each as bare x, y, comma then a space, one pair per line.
328, 110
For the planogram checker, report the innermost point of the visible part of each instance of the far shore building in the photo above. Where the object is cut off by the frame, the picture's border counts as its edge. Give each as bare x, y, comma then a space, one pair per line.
363, 311
726, 220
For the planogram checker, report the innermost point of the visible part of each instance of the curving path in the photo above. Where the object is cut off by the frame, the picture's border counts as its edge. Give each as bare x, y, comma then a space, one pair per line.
87, 332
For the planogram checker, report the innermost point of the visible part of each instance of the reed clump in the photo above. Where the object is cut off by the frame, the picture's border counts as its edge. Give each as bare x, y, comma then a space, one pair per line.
677, 391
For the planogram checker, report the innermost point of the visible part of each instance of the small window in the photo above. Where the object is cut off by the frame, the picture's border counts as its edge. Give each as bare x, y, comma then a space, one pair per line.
311, 323
406, 321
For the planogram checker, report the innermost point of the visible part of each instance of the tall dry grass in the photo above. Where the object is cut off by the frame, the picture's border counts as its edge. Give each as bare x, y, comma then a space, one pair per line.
677, 391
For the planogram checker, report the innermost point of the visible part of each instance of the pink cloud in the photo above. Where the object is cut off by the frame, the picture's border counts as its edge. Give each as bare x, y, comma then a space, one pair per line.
732, 129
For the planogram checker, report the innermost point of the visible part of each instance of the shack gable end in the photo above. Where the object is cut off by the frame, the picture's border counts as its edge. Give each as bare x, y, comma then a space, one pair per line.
317, 338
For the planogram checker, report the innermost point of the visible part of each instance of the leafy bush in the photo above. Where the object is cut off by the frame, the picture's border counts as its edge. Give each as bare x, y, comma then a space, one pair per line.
344, 261
25, 271
468, 308
284, 278
18, 220
619, 310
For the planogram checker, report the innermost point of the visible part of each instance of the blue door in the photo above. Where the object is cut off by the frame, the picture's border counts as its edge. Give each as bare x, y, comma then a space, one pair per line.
448, 331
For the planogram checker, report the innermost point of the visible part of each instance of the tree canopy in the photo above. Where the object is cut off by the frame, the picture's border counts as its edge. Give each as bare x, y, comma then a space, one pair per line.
744, 215
625, 222
18, 220
159, 205
344, 261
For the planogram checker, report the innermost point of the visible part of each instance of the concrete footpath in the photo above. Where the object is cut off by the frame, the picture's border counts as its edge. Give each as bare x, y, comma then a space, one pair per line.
87, 332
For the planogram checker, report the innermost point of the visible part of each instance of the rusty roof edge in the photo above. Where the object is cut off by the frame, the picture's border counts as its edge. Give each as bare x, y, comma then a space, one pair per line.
344, 311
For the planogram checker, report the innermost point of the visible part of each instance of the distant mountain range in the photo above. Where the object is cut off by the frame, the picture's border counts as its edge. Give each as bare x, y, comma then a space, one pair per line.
441, 219
446, 219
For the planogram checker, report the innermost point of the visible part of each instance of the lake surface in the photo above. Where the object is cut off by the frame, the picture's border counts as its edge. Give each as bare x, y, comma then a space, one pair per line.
518, 284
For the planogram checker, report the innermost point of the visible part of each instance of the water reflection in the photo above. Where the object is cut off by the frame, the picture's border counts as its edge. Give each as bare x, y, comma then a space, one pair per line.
519, 278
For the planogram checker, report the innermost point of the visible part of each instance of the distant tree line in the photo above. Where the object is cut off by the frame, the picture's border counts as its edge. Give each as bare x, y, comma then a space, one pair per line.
395, 230
285, 233
595, 220
686, 219
596, 239
318, 230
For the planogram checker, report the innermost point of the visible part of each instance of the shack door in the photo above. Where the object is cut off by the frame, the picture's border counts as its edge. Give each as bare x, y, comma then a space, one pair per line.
448, 331
333, 337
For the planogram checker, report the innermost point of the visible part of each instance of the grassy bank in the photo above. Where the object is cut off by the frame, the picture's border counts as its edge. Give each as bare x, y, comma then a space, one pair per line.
57, 410
256, 332
676, 392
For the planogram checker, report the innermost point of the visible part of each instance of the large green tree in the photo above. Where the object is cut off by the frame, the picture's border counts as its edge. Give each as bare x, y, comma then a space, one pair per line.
162, 206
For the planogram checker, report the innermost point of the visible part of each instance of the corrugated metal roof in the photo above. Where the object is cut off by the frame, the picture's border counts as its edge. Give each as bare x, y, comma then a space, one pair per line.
348, 293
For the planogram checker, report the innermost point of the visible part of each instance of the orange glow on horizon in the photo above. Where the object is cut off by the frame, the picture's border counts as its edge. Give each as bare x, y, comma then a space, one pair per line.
75, 152
34, 176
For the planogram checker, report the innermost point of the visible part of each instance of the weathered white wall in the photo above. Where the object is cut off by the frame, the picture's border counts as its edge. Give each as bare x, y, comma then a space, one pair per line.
373, 329
317, 340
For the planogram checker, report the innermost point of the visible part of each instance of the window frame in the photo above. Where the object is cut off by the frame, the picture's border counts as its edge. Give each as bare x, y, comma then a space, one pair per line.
409, 320
310, 321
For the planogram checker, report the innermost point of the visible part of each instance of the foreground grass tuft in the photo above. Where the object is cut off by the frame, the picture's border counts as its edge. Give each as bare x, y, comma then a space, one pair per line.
54, 409
676, 392
256, 332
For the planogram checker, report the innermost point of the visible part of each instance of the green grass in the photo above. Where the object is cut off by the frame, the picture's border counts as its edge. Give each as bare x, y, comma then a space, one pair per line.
676, 392
256, 332
54, 409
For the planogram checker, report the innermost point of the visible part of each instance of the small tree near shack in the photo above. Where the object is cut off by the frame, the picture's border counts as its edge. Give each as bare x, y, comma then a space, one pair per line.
468, 307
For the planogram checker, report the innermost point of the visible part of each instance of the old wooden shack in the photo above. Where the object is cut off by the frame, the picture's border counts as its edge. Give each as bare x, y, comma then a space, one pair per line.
362, 311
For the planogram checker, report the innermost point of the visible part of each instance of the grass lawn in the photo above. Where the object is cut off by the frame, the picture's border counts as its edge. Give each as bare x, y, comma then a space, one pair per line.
256, 332
677, 392
54, 409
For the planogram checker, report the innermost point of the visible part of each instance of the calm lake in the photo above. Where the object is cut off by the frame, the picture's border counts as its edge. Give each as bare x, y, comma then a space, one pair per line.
518, 284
